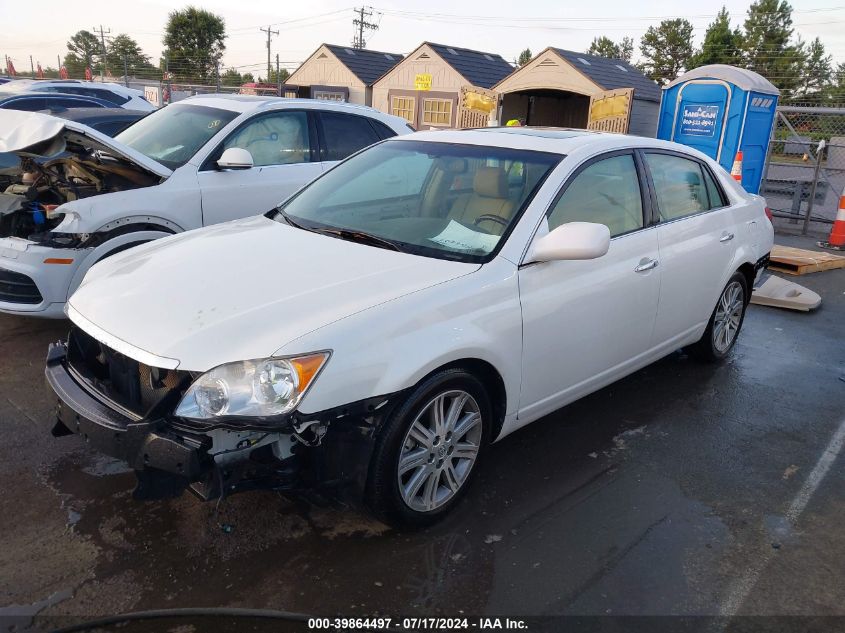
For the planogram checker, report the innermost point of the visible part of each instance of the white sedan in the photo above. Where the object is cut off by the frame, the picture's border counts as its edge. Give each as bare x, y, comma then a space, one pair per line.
81, 196
429, 295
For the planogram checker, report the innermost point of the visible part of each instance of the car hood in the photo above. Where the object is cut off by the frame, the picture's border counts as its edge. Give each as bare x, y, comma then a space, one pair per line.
239, 291
35, 134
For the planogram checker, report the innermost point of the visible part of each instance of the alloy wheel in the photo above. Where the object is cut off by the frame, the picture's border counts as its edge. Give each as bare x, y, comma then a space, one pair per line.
439, 450
728, 316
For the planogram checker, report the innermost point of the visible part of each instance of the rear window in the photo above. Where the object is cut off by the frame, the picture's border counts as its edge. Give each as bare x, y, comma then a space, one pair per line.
345, 134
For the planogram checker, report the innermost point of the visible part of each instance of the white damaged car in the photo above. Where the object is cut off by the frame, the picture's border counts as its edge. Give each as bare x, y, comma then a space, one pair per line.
81, 196
429, 295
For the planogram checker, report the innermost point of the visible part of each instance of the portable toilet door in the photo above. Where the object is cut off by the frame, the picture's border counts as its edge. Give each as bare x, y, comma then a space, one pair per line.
701, 114
718, 110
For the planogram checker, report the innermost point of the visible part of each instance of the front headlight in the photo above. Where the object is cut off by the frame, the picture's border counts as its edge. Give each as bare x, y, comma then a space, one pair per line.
251, 388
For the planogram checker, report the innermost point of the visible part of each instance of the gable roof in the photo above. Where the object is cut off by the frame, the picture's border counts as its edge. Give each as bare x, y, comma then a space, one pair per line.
613, 73
478, 68
365, 64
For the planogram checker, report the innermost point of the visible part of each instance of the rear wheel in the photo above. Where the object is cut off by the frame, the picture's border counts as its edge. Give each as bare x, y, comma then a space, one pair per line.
725, 322
426, 453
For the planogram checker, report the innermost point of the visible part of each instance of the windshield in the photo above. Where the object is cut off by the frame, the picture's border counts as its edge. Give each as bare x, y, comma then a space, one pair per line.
437, 199
175, 133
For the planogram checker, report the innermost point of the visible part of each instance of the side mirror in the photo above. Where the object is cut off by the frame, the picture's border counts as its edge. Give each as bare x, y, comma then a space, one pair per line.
235, 158
574, 240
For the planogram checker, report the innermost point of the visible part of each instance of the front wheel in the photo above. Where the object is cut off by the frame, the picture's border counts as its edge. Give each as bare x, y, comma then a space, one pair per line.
725, 322
427, 451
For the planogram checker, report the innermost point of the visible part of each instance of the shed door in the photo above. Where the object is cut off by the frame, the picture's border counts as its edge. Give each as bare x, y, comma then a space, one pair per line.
700, 114
476, 106
610, 111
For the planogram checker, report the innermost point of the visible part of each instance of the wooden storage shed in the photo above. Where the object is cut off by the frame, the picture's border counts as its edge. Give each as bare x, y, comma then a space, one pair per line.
340, 73
441, 86
557, 87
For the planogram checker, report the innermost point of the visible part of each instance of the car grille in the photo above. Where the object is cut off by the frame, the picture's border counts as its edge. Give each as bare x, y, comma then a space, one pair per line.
131, 385
18, 288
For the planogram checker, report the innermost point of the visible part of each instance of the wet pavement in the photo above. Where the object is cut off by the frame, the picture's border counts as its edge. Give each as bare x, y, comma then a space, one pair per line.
685, 489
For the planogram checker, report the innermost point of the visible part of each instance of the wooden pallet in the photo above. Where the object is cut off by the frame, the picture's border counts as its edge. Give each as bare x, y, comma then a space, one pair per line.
799, 261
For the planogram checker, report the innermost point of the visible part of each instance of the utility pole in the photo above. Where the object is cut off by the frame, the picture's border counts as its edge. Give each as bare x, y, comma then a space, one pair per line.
103, 42
125, 71
270, 32
31, 67
278, 75
361, 23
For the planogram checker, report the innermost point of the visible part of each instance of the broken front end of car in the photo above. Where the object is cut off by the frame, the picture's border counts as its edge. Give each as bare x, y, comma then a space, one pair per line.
46, 175
131, 411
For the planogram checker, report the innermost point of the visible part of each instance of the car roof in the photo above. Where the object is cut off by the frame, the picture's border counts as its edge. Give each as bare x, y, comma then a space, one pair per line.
248, 103
554, 140
50, 95
86, 115
31, 85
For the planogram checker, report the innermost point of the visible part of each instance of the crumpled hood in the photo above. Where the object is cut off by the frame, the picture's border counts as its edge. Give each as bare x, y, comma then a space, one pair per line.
35, 134
241, 290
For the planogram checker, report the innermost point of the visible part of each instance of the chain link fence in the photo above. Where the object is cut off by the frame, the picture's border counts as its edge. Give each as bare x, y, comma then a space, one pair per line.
805, 168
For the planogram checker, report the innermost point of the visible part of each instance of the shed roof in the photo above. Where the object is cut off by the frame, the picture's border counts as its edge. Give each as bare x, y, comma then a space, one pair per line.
365, 64
741, 77
479, 68
611, 74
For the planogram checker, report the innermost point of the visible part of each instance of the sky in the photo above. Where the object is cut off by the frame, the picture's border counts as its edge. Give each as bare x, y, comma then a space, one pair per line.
489, 26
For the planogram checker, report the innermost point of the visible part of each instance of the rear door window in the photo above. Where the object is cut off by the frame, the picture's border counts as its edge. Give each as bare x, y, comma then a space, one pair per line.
345, 134
679, 184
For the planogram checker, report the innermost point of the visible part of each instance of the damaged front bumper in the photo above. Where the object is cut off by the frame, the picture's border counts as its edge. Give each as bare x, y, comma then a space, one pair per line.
329, 451
34, 279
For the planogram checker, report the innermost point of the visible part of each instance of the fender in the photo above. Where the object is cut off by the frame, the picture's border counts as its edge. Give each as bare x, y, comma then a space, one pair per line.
121, 241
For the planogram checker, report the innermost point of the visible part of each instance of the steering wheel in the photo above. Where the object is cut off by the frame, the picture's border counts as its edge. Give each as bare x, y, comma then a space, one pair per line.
493, 218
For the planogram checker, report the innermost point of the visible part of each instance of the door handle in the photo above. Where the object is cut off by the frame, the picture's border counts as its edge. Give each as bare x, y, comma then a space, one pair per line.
727, 237
646, 265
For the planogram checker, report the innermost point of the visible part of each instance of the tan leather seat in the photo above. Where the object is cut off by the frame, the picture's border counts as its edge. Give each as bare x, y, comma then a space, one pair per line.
489, 197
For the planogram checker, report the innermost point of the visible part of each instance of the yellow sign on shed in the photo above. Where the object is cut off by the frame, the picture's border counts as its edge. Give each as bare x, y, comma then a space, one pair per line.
422, 81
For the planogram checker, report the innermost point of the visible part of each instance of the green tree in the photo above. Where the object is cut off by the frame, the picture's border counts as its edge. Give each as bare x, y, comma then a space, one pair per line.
274, 79
667, 49
524, 57
231, 77
767, 46
721, 43
605, 47
137, 63
195, 42
83, 49
817, 74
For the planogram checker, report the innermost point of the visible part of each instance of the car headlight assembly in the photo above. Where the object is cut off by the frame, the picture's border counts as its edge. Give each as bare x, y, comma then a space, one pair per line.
253, 388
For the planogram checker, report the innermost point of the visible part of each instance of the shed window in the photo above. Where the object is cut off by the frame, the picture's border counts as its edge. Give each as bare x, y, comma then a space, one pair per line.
404, 107
437, 111
327, 95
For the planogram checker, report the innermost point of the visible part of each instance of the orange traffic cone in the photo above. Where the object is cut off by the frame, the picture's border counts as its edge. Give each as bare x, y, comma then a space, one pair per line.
736, 170
836, 241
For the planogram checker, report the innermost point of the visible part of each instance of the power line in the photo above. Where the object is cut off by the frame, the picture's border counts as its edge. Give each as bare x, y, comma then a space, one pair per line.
270, 32
360, 24
103, 42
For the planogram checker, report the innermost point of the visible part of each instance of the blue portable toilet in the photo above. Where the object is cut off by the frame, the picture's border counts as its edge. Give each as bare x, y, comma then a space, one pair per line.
718, 110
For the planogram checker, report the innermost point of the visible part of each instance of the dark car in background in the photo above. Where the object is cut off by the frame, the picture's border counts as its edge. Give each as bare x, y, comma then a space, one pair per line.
51, 102
109, 121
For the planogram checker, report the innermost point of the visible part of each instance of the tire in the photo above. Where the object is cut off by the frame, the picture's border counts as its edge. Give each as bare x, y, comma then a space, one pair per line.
437, 462
715, 345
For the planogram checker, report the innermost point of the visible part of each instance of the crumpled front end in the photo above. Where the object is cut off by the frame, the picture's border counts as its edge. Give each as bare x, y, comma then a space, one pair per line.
124, 409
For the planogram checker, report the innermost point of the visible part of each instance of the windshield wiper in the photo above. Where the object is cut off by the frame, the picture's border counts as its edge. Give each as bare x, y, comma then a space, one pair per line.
361, 237
291, 221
